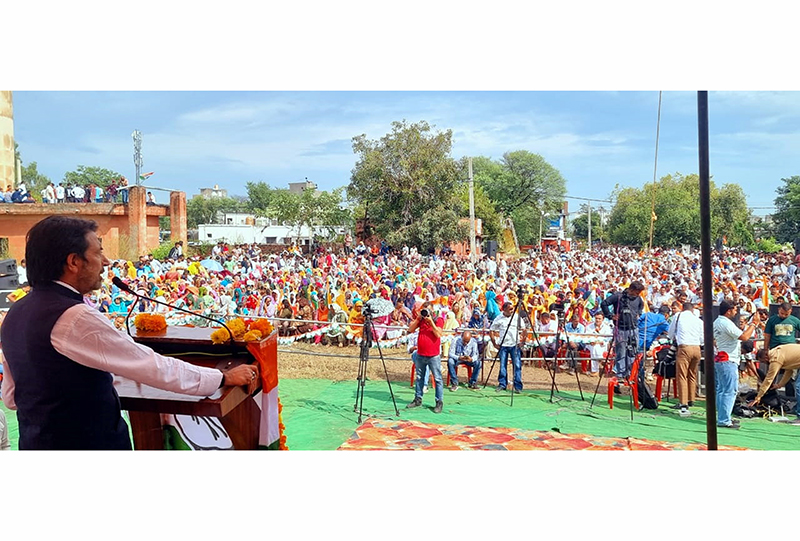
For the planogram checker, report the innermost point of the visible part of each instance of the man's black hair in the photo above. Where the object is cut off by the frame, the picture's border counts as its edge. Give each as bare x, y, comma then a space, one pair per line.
786, 306
50, 242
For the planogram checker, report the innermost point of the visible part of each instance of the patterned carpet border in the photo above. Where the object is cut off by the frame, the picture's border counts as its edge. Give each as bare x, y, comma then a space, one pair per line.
383, 434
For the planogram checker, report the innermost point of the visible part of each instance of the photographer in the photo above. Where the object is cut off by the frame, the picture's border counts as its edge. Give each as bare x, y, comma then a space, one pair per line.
507, 327
429, 347
627, 308
727, 337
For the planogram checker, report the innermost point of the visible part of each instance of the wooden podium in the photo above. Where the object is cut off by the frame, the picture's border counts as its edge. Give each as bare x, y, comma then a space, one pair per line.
238, 413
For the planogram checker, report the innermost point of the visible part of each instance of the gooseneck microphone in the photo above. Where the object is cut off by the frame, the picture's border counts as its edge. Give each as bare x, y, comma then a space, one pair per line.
124, 287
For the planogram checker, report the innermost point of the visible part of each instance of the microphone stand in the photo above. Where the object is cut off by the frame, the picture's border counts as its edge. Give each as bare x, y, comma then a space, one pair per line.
125, 287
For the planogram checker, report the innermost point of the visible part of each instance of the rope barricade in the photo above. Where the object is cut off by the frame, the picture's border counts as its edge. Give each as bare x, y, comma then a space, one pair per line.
177, 318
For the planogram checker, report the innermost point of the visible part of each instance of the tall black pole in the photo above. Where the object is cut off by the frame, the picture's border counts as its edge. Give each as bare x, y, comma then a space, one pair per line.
705, 246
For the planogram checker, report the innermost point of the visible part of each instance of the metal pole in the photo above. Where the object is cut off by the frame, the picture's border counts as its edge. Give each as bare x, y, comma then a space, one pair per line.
655, 168
137, 154
590, 226
472, 247
705, 245
541, 219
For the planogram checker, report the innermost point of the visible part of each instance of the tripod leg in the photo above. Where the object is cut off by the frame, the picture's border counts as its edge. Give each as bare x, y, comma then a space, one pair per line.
575, 368
386, 371
603, 370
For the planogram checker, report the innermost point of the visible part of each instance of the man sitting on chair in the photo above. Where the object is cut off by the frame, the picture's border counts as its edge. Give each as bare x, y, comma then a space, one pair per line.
464, 351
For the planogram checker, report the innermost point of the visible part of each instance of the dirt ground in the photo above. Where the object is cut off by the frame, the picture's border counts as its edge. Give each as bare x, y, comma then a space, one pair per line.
303, 360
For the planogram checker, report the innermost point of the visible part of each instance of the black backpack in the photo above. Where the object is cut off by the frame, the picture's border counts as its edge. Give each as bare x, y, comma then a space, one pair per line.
646, 398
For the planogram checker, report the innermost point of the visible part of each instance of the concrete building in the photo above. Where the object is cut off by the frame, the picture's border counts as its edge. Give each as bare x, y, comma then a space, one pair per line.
210, 193
300, 187
127, 230
262, 232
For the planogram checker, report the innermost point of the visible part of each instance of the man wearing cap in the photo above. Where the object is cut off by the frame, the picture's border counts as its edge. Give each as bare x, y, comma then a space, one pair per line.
727, 339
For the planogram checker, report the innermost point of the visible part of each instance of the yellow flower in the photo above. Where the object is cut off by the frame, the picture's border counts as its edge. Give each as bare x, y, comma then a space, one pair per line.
252, 336
220, 336
238, 328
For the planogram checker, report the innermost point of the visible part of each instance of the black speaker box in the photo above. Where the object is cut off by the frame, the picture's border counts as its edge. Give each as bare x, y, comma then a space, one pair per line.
9, 282
490, 248
8, 266
773, 310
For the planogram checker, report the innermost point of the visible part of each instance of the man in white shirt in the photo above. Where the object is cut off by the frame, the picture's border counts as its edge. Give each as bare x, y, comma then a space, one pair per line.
58, 373
598, 347
687, 329
727, 338
60, 193
510, 329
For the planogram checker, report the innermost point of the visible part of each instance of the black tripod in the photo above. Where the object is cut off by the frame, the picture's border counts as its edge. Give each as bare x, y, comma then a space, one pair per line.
363, 359
631, 347
561, 327
517, 311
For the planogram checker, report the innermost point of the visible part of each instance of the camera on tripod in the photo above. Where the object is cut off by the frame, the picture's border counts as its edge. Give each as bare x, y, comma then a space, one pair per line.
559, 308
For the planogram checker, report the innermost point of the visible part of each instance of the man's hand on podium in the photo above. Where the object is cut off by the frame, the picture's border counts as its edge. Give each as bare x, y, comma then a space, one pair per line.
243, 374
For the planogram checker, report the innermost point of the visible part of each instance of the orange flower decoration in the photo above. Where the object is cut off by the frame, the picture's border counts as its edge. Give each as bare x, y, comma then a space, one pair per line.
252, 336
261, 325
150, 323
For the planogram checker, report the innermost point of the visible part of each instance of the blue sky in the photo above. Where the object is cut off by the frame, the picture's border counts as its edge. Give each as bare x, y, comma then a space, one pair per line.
596, 139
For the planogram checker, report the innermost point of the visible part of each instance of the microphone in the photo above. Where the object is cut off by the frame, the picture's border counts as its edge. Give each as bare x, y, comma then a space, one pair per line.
124, 287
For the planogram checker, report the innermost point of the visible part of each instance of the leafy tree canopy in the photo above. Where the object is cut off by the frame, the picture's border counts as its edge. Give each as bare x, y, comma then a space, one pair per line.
786, 219
84, 176
407, 183
677, 210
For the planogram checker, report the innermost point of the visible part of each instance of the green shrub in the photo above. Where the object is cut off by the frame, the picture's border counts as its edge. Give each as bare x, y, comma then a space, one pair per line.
163, 249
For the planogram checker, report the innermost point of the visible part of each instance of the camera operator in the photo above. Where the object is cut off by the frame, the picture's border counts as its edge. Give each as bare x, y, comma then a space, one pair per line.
507, 327
428, 354
727, 338
627, 308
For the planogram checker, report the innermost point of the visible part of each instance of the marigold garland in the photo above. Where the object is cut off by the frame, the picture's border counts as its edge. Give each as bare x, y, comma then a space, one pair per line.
220, 336
238, 328
252, 336
282, 441
150, 323
261, 325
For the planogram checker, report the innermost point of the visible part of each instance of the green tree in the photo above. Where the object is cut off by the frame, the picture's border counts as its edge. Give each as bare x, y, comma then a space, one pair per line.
786, 219
202, 210
313, 208
484, 209
34, 180
84, 176
407, 184
677, 210
521, 185
580, 225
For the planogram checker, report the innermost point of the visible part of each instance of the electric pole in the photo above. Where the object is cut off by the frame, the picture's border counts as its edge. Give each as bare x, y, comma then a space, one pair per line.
590, 226
472, 246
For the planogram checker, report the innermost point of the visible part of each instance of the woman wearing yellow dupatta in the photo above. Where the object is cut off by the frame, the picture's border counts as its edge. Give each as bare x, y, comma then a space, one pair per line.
450, 325
356, 321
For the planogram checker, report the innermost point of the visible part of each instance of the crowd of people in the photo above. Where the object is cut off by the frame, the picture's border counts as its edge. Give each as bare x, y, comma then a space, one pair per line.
319, 297
115, 192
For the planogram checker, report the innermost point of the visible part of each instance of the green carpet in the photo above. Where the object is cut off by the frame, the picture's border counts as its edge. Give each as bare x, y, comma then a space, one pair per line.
318, 415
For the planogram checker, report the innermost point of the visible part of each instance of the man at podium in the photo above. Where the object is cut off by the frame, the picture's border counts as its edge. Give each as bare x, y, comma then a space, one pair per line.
59, 354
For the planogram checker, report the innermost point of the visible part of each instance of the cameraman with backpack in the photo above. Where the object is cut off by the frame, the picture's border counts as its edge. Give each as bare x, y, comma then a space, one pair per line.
627, 308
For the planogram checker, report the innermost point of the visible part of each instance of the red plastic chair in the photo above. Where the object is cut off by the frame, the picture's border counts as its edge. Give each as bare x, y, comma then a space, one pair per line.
630, 381
469, 372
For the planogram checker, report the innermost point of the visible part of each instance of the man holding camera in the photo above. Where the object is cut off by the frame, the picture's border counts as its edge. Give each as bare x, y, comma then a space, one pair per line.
627, 308
727, 337
428, 354
507, 327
